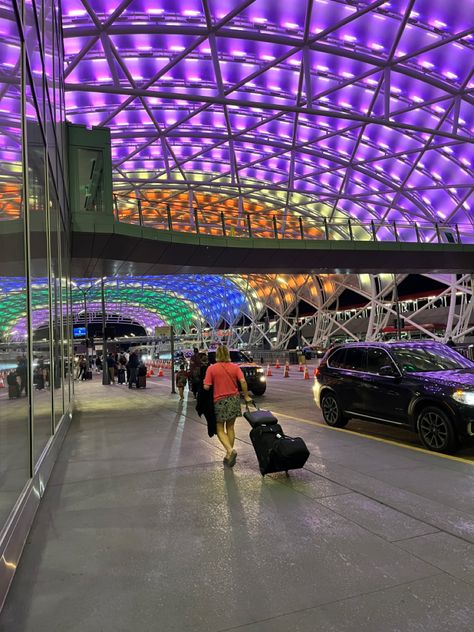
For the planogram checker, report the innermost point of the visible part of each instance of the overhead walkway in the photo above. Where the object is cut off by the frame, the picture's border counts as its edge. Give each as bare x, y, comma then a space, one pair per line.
151, 242
141, 524
122, 235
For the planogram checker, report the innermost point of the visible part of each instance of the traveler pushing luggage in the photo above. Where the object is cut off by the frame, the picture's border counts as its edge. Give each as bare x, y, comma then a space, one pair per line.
276, 452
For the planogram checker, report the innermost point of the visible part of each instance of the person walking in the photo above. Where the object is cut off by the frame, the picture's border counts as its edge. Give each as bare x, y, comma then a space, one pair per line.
111, 368
224, 378
181, 380
132, 367
121, 369
204, 365
21, 371
195, 364
82, 368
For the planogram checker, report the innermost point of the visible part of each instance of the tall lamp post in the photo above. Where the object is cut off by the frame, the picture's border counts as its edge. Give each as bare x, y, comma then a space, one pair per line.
86, 324
85, 291
105, 368
398, 326
297, 321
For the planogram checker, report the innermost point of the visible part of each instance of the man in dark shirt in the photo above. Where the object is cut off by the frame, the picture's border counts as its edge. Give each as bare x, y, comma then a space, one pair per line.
111, 368
195, 364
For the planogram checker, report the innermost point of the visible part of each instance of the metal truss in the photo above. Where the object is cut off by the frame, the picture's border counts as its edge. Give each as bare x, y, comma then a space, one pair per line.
257, 311
447, 313
269, 317
327, 108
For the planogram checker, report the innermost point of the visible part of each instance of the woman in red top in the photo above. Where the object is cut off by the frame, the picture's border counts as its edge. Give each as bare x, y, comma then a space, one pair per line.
224, 377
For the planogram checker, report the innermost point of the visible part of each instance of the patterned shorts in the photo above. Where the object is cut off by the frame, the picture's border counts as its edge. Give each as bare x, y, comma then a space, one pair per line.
227, 408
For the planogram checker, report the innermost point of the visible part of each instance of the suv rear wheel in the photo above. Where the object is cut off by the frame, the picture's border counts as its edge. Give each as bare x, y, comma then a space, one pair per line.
436, 430
332, 412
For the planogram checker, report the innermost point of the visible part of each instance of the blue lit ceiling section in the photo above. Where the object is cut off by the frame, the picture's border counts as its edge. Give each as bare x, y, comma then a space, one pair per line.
152, 301
319, 108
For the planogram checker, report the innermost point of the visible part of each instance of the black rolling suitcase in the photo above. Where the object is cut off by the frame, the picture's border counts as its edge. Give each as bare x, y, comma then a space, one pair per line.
13, 391
141, 382
89, 375
259, 417
121, 376
275, 451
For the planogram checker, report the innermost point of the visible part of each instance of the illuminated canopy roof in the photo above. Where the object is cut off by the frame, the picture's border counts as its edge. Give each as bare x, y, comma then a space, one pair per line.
151, 301
181, 300
319, 108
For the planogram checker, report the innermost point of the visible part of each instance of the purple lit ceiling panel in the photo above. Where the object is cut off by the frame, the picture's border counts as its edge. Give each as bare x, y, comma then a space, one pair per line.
324, 108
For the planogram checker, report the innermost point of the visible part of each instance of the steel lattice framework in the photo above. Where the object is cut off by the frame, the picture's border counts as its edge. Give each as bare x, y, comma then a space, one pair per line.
251, 310
324, 108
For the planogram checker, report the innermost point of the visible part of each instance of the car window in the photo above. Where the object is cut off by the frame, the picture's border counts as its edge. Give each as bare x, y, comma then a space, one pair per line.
235, 356
355, 359
239, 356
336, 360
436, 358
376, 359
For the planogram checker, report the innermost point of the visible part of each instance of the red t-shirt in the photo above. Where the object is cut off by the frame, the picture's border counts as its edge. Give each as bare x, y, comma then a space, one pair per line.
223, 377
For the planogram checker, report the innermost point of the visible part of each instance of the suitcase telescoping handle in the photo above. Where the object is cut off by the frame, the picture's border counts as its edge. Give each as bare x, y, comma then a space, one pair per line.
253, 403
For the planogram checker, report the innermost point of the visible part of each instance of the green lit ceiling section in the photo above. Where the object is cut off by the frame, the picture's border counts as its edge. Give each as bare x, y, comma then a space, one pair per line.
12, 310
181, 301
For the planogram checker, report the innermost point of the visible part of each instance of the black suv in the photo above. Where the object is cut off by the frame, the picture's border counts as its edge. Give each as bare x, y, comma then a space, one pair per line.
254, 373
426, 387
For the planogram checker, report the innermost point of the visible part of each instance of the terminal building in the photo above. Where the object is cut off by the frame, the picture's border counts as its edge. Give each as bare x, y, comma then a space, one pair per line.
281, 177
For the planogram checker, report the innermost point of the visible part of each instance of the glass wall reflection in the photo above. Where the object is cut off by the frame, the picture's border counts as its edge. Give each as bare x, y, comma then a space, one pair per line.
14, 420
35, 320
39, 271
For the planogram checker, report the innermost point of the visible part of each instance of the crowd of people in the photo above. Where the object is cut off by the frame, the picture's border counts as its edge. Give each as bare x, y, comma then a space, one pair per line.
216, 387
122, 368
17, 379
191, 373
217, 390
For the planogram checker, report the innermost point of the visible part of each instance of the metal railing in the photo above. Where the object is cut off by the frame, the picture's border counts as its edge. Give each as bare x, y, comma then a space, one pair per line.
161, 216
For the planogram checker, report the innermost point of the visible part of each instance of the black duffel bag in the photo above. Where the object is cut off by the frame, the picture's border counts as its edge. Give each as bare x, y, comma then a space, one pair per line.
275, 451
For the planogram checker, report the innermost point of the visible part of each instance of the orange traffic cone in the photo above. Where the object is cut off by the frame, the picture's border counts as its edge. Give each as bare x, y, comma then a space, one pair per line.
277, 364
160, 372
269, 371
152, 372
287, 371
315, 372
301, 368
306, 372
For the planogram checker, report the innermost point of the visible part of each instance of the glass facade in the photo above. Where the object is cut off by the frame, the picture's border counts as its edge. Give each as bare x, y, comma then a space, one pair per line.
35, 322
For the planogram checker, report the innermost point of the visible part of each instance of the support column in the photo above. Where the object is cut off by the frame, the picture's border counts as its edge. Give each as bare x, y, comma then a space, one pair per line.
105, 368
373, 293
85, 325
452, 308
397, 307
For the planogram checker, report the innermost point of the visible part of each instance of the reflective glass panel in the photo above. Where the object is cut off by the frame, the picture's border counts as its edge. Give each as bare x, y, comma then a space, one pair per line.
14, 430
39, 270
